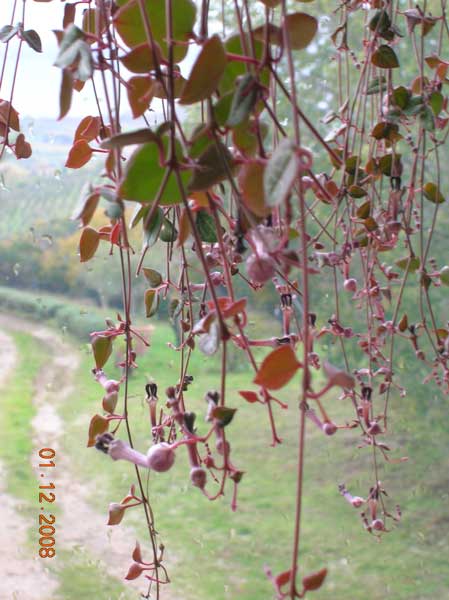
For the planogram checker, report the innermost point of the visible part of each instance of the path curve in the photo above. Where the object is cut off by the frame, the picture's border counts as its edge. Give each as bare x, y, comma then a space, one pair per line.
23, 578
78, 524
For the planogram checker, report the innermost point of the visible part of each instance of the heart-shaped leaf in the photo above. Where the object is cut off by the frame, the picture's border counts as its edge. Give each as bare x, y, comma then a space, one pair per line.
9, 116
140, 93
411, 262
79, 155
281, 173
385, 58
144, 175
151, 303
206, 227
130, 25
116, 513
277, 368
140, 59
301, 29
98, 425
314, 581
33, 40
22, 148
211, 167
337, 377
88, 129
134, 571
89, 240
153, 277
206, 72
224, 415
432, 193
243, 100
249, 396
251, 182
102, 349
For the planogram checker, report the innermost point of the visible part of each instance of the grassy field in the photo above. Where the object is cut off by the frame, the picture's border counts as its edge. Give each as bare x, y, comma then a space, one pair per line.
214, 553
17, 411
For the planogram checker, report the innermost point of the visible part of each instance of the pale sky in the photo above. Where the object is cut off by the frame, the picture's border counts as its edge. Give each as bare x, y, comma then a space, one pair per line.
37, 88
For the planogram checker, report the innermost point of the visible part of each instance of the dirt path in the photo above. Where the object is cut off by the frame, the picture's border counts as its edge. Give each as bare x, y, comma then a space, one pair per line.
78, 525
23, 578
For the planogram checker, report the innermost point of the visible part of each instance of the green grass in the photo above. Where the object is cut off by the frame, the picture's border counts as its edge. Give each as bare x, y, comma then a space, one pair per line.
213, 553
82, 577
17, 411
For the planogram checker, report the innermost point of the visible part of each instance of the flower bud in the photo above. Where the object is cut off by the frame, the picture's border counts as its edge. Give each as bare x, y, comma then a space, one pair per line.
198, 477
222, 446
329, 428
357, 501
350, 285
378, 525
260, 267
161, 457
217, 278
110, 402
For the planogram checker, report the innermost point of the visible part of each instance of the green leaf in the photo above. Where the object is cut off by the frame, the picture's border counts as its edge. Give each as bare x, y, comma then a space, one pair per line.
211, 167
235, 69
168, 232
85, 65
130, 138
140, 59
151, 303
386, 164
153, 277
433, 194
412, 262
174, 308
281, 173
206, 72
8, 32
380, 22
144, 174
401, 96
151, 231
427, 119
301, 29
102, 349
385, 58
224, 415
206, 227
69, 48
33, 40
130, 26
377, 85
414, 106
222, 109
444, 276
243, 101
355, 191
436, 101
